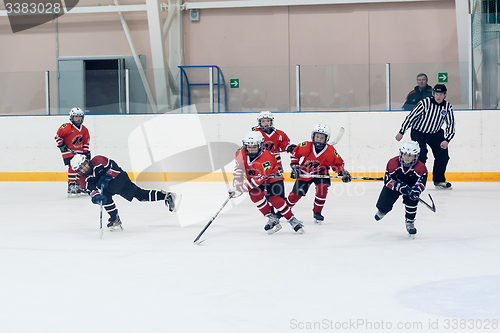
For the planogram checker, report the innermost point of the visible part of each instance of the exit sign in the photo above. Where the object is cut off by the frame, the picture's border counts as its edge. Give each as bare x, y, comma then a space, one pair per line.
442, 77
234, 83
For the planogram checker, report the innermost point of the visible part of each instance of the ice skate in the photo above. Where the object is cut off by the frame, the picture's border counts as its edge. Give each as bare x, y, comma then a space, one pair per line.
379, 215
410, 227
442, 185
318, 218
73, 190
116, 224
296, 225
172, 201
273, 224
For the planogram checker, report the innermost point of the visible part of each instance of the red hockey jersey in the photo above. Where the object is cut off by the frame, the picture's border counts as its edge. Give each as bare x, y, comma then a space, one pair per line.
276, 142
262, 169
77, 139
316, 163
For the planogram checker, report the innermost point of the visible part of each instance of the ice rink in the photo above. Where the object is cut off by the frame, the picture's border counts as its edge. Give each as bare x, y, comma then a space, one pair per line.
349, 274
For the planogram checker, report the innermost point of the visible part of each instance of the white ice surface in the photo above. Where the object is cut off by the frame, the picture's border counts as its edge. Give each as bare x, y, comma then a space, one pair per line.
58, 276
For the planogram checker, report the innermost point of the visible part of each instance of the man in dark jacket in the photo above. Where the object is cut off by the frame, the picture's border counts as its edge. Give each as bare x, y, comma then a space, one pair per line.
422, 90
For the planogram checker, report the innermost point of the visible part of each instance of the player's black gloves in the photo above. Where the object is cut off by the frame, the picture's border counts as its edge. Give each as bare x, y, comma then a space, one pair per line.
290, 148
346, 176
87, 155
295, 170
104, 182
415, 192
99, 198
402, 188
63, 148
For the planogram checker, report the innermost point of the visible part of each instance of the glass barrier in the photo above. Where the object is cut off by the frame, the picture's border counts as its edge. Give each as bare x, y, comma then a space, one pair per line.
248, 89
22, 93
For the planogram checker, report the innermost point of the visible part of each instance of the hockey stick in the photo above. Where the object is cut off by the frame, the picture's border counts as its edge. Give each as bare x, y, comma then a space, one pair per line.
340, 177
197, 241
433, 207
100, 204
339, 136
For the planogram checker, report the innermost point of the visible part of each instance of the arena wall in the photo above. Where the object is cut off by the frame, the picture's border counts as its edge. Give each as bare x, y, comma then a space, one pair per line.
201, 147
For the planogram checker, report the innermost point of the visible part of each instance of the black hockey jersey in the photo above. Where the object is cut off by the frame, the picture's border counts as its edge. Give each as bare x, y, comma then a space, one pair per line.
416, 175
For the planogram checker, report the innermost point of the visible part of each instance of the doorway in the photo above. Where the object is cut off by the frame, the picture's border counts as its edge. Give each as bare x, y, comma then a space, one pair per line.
98, 85
104, 86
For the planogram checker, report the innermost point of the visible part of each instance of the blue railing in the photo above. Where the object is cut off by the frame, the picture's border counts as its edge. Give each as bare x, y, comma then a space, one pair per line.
219, 82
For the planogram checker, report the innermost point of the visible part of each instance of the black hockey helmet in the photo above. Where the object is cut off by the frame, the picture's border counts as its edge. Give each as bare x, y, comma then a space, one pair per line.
440, 88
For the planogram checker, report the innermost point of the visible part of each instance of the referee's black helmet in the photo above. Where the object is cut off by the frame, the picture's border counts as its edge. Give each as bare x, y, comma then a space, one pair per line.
440, 88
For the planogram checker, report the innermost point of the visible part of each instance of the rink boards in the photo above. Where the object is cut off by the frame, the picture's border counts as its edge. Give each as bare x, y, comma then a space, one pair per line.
201, 147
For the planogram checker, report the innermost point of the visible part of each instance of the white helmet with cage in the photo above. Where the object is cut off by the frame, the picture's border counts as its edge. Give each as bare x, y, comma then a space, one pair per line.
410, 148
321, 129
77, 161
76, 112
266, 115
253, 138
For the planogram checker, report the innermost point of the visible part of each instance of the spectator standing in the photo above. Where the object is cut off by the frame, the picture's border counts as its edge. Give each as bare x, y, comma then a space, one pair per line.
422, 90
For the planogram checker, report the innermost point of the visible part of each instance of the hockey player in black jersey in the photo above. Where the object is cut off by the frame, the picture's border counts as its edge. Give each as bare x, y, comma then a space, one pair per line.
405, 175
103, 173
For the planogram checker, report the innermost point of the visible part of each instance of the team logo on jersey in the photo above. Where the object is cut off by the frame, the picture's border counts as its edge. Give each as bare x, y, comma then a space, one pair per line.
302, 144
266, 165
443, 111
63, 125
77, 140
269, 145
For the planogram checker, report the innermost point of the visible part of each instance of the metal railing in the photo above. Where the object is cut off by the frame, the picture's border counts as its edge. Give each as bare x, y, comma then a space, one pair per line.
219, 83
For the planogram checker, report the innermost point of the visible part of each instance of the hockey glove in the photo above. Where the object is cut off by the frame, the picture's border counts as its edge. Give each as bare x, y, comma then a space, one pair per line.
237, 178
415, 192
104, 181
238, 190
402, 188
87, 155
99, 198
346, 176
295, 170
63, 148
290, 148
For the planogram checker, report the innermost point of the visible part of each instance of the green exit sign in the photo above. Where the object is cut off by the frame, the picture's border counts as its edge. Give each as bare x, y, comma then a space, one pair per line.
442, 77
234, 83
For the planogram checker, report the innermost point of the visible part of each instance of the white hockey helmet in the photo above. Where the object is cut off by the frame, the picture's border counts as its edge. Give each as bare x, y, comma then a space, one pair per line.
266, 115
76, 112
410, 148
253, 138
77, 161
321, 129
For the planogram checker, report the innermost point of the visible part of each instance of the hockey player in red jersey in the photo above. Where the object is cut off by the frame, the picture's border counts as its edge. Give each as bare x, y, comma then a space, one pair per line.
263, 177
275, 140
405, 175
317, 159
102, 172
73, 138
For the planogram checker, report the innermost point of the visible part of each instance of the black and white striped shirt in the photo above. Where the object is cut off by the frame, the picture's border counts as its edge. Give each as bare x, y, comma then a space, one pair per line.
428, 117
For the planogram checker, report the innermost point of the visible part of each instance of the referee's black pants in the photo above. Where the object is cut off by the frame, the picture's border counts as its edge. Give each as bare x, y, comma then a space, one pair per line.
441, 156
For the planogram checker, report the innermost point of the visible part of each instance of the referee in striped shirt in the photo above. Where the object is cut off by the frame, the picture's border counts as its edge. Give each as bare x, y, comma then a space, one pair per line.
426, 121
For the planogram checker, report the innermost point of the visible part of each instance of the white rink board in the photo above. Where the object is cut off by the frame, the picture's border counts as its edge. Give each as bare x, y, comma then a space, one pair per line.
136, 142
